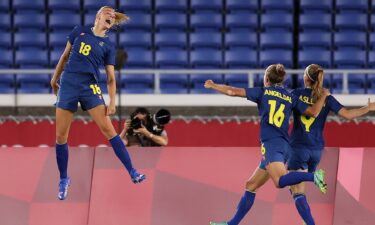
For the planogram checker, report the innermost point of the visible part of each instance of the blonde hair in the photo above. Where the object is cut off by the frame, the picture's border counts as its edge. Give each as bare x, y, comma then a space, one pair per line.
119, 17
275, 73
315, 74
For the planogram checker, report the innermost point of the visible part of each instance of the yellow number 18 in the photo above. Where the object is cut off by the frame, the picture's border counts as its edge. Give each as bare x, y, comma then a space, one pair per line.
84, 49
276, 118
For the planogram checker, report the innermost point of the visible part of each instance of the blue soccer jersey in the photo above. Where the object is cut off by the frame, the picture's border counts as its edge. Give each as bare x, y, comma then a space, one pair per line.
275, 106
308, 131
89, 52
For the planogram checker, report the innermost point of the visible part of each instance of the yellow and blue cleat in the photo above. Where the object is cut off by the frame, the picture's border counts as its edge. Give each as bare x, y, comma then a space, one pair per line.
319, 176
63, 188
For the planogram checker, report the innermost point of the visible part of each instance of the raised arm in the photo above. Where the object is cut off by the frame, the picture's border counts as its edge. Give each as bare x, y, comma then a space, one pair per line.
315, 109
60, 67
225, 89
354, 113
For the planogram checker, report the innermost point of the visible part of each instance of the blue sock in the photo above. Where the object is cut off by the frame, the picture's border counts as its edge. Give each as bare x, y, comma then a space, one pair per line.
62, 156
243, 207
293, 178
303, 208
121, 152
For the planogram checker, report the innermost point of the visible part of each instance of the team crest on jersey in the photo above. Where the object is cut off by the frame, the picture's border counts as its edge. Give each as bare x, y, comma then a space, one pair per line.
101, 43
82, 34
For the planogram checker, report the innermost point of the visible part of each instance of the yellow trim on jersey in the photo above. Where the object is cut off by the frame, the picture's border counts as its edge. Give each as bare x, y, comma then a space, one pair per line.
278, 94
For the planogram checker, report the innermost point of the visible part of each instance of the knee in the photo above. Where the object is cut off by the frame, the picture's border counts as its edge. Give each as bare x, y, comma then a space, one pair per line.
61, 138
251, 185
108, 131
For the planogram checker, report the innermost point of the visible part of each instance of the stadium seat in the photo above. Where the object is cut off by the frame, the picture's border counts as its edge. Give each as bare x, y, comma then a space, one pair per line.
31, 58
278, 5
174, 83
135, 39
7, 84
5, 23
349, 58
206, 20
176, 39
242, 6
270, 21
372, 21
94, 5
241, 39
351, 39
269, 40
4, 6
6, 59
139, 58
30, 39
66, 5
135, 5
21, 5
5, 40
316, 21
214, 5
66, 21
371, 59
171, 90
29, 21
205, 39
138, 83
171, 21
171, 5
272, 56
351, 21
316, 6
58, 39
197, 82
89, 19
113, 39
55, 55
321, 57
350, 5
239, 58
206, 58
237, 80
33, 83
171, 58
372, 40
315, 39
139, 21
243, 20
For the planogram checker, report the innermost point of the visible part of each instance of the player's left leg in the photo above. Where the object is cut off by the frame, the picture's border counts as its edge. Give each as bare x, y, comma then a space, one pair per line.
104, 123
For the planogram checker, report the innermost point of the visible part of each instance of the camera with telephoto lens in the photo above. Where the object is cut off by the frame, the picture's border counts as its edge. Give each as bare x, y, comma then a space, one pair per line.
135, 123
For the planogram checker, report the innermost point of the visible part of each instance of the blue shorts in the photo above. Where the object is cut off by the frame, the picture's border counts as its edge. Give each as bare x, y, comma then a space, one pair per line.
82, 88
274, 150
302, 157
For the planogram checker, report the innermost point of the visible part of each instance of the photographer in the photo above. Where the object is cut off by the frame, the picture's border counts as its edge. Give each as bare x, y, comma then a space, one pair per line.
146, 130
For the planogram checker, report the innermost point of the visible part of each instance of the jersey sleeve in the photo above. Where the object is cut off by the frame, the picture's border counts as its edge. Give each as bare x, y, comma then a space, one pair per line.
333, 104
75, 32
110, 56
298, 105
254, 94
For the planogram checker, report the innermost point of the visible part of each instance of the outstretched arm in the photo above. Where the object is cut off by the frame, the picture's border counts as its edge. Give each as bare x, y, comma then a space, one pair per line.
315, 109
225, 89
354, 113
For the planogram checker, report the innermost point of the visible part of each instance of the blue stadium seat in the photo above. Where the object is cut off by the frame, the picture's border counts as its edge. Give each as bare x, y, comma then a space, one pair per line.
171, 21
316, 21
372, 40
89, 19
139, 21
7, 84
215, 5
174, 83
5, 40
30, 39
277, 5
315, 39
351, 21
33, 83
269, 40
6, 59
350, 5
243, 20
171, 58
4, 6
241, 39
197, 82
349, 58
206, 58
31, 58
29, 20
68, 21
313, 5
94, 5
135, 5
20, 5
277, 21
137, 83
351, 39
317, 56
58, 39
371, 59
237, 80
242, 6
206, 20
176, 39
113, 39
171, 5
241, 58
66, 5
171, 90
55, 55
135, 39
372, 21
205, 39
5, 23
272, 56
139, 58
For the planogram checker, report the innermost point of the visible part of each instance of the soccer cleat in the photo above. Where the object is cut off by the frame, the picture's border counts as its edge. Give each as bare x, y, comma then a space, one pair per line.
63, 188
137, 177
222, 223
319, 180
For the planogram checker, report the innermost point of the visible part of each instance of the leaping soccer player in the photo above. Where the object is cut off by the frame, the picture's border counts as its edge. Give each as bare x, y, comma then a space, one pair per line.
78, 71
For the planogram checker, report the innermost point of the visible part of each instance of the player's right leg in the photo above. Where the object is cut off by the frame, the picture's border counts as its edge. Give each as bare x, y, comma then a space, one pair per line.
63, 121
258, 179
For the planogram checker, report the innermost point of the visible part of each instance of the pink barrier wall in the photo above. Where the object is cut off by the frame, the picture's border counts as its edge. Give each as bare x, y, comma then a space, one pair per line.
194, 133
185, 186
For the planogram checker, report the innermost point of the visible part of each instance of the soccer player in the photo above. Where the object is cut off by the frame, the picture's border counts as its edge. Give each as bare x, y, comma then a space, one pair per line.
87, 49
307, 140
275, 105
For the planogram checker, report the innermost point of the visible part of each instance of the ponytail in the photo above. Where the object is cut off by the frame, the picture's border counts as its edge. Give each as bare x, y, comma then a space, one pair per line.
315, 73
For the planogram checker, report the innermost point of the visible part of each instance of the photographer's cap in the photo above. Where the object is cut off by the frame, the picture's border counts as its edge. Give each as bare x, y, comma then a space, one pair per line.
162, 117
